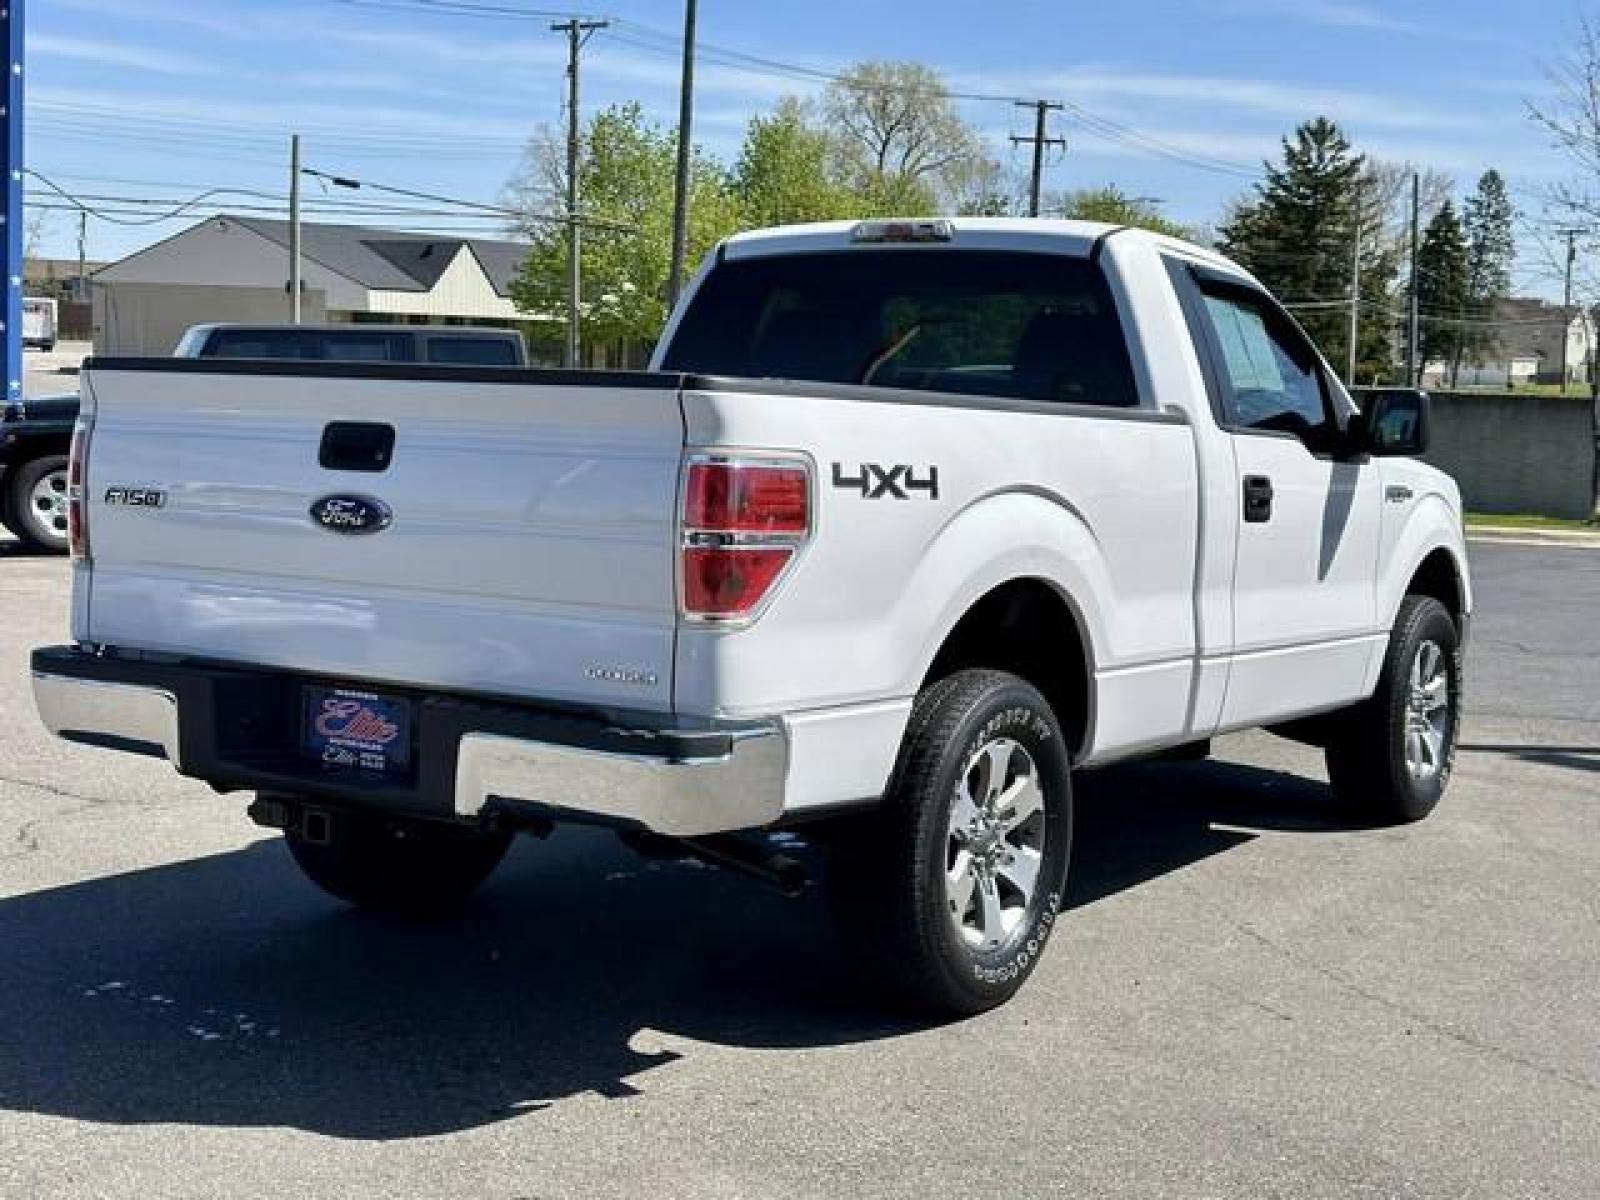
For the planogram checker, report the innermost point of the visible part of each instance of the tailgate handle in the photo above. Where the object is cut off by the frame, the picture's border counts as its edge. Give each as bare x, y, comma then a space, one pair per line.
356, 446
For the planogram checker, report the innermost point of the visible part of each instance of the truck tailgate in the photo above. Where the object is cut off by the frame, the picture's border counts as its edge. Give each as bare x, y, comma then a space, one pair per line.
530, 550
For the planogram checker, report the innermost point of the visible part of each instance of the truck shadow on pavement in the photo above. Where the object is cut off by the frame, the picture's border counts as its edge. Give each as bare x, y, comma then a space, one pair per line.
10, 547
225, 991
1572, 758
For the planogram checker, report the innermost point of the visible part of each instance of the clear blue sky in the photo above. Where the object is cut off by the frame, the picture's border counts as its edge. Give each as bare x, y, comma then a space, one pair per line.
162, 98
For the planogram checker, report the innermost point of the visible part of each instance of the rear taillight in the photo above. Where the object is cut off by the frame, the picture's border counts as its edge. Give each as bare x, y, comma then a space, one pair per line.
744, 521
77, 499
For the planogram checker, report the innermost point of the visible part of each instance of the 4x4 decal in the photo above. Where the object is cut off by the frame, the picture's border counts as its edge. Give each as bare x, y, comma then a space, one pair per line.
874, 482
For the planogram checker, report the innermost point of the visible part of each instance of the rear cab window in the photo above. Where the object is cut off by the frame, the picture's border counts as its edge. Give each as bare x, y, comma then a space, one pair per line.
1034, 327
474, 351
317, 345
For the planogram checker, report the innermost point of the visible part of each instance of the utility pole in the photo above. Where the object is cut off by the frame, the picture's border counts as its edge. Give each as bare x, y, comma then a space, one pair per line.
83, 256
680, 199
1414, 322
578, 33
1041, 109
1566, 302
294, 229
1355, 292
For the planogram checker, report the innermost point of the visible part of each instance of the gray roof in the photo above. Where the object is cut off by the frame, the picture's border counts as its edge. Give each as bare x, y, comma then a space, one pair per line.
1528, 329
389, 260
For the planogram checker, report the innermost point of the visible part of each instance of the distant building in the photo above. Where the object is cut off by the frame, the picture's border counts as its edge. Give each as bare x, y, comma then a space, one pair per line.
1526, 348
64, 280
231, 268
58, 277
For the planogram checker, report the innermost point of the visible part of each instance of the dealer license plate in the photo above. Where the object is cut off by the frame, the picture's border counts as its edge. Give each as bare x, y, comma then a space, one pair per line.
357, 731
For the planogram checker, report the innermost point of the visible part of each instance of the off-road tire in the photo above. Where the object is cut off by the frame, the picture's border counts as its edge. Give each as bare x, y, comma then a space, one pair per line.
1367, 751
892, 893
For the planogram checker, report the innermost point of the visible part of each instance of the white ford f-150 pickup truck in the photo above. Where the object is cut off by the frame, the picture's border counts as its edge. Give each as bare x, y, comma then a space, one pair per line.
908, 521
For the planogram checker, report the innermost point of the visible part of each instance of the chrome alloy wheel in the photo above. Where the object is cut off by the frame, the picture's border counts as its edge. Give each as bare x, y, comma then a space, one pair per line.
47, 505
994, 845
1427, 712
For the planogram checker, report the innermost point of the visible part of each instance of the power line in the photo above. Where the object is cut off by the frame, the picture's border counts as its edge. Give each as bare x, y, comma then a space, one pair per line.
652, 40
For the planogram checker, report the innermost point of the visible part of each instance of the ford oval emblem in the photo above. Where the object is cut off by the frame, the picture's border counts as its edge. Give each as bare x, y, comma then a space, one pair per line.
352, 514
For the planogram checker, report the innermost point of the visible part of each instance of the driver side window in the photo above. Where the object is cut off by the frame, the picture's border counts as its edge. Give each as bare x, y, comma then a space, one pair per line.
1272, 378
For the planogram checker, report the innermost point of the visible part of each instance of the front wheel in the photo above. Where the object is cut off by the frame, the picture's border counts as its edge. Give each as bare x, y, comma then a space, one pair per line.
35, 503
948, 893
1390, 757
392, 864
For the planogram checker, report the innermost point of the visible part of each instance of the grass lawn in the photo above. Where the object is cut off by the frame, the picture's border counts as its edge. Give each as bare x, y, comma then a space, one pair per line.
1525, 521
1523, 389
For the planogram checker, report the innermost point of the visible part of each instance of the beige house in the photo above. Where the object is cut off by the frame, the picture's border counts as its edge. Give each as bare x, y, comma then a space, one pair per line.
230, 268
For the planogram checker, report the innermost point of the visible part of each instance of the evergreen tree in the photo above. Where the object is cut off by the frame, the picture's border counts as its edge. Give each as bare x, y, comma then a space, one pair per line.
1442, 287
1297, 235
1491, 251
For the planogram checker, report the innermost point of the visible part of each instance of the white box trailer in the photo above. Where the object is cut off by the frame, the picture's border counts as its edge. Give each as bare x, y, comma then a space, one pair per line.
39, 323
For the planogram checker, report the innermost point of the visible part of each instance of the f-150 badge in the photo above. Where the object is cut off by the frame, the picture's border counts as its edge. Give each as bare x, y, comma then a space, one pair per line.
875, 482
133, 497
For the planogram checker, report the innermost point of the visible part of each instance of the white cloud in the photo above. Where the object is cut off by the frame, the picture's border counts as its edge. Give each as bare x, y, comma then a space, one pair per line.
342, 118
1291, 102
1333, 13
118, 54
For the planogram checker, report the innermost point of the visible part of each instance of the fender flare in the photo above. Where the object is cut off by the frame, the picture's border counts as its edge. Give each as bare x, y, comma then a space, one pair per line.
1431, 527
1005, 538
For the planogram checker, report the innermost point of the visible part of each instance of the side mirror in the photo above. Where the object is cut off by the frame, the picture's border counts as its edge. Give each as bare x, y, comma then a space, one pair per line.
1395, 423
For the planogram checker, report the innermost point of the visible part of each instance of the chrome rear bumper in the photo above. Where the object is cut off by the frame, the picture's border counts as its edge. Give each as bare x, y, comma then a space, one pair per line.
225, 724
120, 716
679, 797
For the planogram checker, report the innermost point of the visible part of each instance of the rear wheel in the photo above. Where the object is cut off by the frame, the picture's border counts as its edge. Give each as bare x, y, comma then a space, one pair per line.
35, 503
1390, 757
398, 865
947, 895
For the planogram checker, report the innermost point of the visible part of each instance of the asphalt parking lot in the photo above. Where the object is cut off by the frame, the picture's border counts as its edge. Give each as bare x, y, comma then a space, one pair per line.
1251, 996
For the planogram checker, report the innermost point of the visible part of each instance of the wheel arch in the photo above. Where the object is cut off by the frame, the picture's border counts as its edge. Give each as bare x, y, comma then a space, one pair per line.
1439, 575
1427, 558
1033, 628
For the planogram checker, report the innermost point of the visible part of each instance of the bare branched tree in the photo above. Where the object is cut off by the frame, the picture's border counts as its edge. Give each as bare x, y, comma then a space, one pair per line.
900, 136
1572, 119
34, 227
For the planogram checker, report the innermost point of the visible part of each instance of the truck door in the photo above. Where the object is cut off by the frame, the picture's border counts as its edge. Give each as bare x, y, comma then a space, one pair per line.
1308, 517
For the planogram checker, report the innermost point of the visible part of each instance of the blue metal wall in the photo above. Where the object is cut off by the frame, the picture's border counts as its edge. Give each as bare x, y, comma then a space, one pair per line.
11, 35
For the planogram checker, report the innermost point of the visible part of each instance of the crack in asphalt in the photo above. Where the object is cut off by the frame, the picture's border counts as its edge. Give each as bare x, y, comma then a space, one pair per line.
1423, 1020
27, 833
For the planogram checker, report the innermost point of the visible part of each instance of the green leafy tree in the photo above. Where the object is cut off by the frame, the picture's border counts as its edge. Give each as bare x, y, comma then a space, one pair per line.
786, 171
1443, 293
626, 189
899, 135
1491, 251
1115, 207
981, 187
1297, 233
